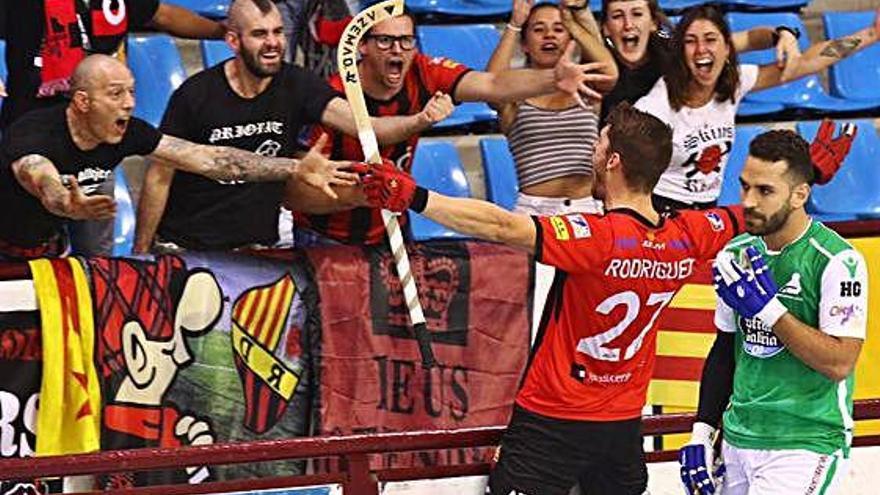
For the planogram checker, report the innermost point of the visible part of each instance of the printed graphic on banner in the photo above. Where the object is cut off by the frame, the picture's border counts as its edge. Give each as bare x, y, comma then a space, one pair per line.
371, 379
258, 320
442, 278
223, 333
145, 312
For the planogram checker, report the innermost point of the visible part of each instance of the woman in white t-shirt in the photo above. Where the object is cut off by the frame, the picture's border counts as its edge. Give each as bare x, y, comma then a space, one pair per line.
699, 95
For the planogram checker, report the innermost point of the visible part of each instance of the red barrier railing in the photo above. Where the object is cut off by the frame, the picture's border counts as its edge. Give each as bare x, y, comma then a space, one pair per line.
355, 474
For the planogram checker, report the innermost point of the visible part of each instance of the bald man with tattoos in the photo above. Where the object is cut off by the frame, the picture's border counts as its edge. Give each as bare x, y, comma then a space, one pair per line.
52, 159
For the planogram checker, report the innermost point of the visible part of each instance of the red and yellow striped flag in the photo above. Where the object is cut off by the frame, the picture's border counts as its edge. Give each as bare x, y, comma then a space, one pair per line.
69, 416
685, 335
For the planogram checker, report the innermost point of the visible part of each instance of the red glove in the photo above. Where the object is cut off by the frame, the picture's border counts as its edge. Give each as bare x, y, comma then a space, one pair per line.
389, 188
827, 153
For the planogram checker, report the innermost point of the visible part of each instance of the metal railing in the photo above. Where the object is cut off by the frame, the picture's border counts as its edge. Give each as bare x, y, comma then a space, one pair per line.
355, 473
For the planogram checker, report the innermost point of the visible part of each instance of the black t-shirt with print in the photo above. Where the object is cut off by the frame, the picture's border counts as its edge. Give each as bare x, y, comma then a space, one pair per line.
205, 214
24, 220
106, 23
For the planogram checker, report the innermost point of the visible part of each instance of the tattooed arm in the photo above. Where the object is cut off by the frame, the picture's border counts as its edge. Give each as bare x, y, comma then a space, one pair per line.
819, 57
38, 176
225, 163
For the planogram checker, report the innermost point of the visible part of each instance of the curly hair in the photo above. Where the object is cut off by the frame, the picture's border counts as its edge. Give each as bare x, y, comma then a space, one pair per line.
788, 146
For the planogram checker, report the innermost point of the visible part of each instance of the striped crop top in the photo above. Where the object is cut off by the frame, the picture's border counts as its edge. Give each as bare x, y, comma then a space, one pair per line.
549, 144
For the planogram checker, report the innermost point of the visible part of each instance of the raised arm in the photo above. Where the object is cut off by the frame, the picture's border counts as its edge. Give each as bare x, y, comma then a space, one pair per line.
504, 53
818, 57
579, 21
390, 188
39, 176
480, 219
225, 163
761, 38
393, 129
154, 196
520, 84
185, 23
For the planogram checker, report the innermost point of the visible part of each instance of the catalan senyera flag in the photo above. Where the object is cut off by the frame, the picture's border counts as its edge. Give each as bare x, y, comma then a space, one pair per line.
685, 335
68, 419
258, 320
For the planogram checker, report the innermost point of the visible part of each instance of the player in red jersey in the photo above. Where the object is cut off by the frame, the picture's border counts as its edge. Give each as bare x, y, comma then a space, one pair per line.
399, 80
577, 416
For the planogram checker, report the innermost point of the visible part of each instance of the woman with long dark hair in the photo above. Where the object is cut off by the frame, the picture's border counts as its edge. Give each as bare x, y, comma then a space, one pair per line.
639, 35
551, 137
699, 95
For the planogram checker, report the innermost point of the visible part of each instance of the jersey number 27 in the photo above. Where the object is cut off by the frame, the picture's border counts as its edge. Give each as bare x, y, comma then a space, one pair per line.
595, 346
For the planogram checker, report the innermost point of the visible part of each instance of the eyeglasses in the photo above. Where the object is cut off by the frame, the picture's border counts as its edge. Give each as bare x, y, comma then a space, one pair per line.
385, 41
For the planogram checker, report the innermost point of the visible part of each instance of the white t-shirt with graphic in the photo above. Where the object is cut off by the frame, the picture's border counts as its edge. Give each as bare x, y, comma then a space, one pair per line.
702, 139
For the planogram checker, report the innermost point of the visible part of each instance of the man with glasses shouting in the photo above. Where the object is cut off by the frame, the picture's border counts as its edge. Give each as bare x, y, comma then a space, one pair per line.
399, 80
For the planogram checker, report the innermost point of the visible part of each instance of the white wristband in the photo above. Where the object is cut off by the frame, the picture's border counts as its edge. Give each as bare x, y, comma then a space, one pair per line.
772, 312
702, 433
513, 28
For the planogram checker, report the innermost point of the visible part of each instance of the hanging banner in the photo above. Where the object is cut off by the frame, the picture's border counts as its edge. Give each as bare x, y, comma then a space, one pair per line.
198, 349
21, 369
475, 297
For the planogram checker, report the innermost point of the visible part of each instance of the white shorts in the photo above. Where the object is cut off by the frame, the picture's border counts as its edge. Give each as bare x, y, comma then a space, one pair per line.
782, 472
540, 205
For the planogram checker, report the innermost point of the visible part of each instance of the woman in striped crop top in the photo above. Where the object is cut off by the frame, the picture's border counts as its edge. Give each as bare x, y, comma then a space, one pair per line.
551, 137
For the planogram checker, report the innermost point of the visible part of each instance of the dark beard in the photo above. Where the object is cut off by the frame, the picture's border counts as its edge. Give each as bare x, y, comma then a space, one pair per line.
254, 67
773, 224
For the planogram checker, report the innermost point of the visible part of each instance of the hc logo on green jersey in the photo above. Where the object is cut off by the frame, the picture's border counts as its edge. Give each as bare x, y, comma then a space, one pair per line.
851, 265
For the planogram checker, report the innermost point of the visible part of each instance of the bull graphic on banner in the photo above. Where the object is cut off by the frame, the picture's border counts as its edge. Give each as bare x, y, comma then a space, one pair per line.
259, 317
145, 311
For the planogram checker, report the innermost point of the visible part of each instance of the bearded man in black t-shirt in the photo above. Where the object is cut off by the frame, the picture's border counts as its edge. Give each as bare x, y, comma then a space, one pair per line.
51, 159
255, 102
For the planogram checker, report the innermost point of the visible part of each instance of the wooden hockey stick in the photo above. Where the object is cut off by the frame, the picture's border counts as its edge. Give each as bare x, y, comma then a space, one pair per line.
347, 59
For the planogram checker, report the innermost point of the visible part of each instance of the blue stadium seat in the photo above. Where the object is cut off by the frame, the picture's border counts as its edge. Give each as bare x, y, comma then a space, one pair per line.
2, 65
855, 190
437, 166
499, 170
123, 227
753, 109
857, 77
209, 8
677, 4
735, 163
765, 4
472, 45
214, 52
3, 60
158, 71
806, 93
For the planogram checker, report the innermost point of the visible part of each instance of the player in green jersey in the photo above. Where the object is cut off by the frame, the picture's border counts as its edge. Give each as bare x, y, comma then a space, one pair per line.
791, 320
